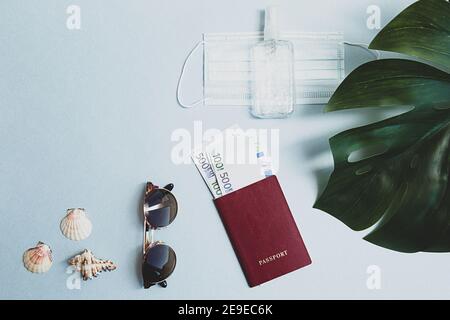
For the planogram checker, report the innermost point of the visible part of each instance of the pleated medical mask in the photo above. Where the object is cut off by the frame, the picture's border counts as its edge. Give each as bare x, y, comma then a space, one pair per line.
227, 67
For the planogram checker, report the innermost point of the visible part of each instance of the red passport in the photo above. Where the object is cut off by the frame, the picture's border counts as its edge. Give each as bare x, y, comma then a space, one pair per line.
262, 231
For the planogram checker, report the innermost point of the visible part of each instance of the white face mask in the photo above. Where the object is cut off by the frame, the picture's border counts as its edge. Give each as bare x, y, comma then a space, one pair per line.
319, 67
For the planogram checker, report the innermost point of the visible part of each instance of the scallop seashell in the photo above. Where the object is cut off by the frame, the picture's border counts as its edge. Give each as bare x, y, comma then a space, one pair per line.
76, 225
89, 266
38, 259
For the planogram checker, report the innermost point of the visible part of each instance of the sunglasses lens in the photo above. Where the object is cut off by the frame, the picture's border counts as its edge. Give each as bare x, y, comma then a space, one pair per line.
160, 208
159, 263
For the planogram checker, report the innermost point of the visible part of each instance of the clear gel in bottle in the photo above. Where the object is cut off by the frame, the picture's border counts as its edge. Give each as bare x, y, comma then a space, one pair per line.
273, 89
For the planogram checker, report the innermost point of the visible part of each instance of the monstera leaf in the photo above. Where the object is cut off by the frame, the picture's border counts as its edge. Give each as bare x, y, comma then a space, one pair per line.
400, 185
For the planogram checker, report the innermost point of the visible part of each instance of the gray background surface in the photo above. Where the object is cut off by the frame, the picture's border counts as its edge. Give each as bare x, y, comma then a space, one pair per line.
86, 117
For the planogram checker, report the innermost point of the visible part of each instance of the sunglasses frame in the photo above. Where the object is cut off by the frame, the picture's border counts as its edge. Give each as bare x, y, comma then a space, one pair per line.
149, 242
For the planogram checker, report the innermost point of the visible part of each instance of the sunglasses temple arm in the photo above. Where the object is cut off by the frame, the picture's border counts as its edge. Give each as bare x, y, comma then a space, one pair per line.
146, 240
151, 235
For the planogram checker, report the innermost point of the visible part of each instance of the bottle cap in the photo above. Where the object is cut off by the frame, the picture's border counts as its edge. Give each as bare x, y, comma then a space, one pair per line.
271, 23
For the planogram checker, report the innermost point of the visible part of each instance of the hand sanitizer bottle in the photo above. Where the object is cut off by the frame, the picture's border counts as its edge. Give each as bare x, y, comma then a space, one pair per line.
273, 89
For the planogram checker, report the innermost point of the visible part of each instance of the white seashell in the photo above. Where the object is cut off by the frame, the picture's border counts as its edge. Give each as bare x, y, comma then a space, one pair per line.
38, 259
89, 266
76, 225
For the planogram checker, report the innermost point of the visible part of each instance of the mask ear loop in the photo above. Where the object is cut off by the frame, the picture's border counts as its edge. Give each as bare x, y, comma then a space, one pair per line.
183, 68
375, 53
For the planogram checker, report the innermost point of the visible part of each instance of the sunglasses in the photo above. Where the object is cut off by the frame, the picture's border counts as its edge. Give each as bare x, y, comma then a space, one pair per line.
160, 209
